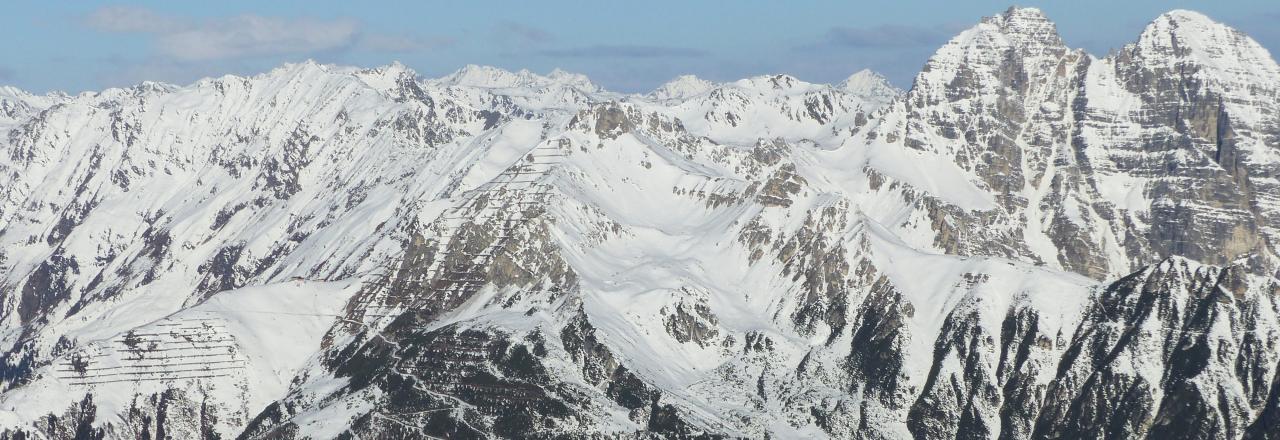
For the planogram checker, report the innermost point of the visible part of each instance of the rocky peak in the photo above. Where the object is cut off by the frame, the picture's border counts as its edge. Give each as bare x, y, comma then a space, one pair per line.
153, 87
490, 77
1181, 28
15, 102
11, 92
1217, 89
577, 80
1009, 50
392, 72
1181, 36
1002, 68
392, 79
305, 68
773, 82
1027, 28
485, 76
869, 84
682, 87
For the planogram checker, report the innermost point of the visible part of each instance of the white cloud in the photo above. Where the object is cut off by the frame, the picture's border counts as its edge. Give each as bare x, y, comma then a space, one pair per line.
249, 35
132, 19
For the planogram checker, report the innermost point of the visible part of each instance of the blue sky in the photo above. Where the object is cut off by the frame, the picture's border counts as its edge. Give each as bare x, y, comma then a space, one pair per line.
624, 46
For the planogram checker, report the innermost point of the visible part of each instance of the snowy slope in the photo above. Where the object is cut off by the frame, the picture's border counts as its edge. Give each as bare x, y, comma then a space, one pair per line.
239, 351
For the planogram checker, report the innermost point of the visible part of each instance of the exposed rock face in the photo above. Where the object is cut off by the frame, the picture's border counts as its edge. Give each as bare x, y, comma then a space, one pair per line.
1212, 86
1102, 166
1147, 360
1030, 243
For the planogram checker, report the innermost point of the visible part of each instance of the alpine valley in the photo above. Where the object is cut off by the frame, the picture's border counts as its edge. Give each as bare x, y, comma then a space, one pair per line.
1031, 243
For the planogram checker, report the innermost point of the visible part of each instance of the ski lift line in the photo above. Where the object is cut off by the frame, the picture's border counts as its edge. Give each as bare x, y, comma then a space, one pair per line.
95, 356
155, 350
477, 215
193, 343
180, 327
185, 377
195, 331
158, 357
165, 372
495, 187
182, 322
211, 344
190, 331
139, 366
208, 330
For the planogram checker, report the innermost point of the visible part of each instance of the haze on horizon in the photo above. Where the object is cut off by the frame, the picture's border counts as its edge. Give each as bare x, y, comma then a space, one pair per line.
625, 47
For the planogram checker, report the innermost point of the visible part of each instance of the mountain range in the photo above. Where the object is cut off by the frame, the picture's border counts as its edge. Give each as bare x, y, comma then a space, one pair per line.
1030, 242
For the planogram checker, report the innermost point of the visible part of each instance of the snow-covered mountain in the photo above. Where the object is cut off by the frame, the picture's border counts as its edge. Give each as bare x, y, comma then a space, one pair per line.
1031, 242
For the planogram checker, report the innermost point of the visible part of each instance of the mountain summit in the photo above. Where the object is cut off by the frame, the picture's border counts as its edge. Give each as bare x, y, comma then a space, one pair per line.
1032, 242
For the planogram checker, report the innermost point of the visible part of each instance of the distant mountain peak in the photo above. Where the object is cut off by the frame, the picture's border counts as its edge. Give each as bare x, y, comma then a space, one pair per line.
681, 87
564, 76
868, 82
775, 83
388, 78
1023, 13
983, 59
396, 68
1181, 35
491, 77
1181, 24
485, 76
778, 81
1186, 15
1026, 27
